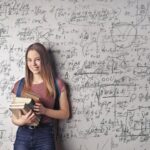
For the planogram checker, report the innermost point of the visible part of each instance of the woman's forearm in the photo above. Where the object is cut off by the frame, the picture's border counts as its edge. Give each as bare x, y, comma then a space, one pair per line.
56, 114
16, 121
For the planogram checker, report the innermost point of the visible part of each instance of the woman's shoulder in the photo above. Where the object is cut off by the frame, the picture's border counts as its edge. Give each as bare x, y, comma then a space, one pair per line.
60, 84
59, 80
15, 86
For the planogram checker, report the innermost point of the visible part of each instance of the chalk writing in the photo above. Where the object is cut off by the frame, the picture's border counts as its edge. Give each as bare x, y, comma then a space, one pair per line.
102, 51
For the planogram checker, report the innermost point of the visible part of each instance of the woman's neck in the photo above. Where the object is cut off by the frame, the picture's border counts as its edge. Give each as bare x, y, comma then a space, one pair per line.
37, 79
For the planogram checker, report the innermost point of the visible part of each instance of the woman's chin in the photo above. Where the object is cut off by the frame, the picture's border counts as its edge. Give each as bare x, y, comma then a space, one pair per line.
35, 72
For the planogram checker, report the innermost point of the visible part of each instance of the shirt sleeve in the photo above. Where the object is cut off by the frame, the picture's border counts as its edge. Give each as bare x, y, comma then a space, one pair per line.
61, 85
14, 89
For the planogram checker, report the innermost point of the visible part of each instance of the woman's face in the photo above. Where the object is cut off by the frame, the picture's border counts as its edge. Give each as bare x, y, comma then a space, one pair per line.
34, 62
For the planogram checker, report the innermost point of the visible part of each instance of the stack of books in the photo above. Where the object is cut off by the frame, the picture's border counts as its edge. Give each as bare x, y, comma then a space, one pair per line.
22, 105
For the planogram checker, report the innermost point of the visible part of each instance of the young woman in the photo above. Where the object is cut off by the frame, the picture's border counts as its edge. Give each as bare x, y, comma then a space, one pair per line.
39, 79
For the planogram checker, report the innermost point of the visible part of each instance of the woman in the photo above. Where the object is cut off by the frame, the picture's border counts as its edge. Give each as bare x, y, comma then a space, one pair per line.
39, 79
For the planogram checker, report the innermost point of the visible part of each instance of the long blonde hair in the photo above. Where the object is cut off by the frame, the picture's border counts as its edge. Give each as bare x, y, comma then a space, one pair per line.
46, 70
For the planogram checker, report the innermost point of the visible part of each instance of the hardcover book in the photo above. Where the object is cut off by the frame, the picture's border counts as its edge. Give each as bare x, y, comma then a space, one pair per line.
30, 94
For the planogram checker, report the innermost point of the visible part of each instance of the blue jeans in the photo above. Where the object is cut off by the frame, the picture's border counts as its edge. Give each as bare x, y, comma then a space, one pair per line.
39, 138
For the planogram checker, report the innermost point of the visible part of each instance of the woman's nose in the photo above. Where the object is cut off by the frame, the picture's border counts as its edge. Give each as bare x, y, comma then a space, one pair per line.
33, 62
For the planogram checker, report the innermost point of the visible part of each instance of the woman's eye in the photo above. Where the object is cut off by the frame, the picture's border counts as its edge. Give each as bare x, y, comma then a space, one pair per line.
37, 60
29, 60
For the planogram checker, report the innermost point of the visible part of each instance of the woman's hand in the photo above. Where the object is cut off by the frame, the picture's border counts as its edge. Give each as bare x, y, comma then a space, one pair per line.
28, 118
39, 109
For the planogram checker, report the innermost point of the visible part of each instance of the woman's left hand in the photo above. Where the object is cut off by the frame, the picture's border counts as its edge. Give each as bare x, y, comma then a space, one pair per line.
39, 109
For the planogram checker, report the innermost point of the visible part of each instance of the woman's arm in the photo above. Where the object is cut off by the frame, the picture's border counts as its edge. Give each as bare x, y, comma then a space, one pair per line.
26, 119
62, 113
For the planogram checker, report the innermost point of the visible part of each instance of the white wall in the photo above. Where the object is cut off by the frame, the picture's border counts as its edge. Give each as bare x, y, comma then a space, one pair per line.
103, 53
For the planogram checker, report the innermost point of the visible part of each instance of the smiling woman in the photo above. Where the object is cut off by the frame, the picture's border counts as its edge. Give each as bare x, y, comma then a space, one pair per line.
34, 62
40, 80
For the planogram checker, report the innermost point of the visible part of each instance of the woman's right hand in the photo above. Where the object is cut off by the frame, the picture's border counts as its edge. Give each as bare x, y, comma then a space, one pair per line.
26, 119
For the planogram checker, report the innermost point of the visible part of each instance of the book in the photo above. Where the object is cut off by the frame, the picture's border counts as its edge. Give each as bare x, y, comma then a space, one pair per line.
19, 109
21, 106
29, 94
21, 100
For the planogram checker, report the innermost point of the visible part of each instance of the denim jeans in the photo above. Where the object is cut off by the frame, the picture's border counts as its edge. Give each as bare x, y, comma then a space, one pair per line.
39, 138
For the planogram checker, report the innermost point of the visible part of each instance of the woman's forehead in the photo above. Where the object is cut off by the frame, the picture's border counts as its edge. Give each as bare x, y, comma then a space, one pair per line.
32, 53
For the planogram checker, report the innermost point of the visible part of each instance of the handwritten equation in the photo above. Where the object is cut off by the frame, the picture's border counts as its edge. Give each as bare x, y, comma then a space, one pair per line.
102, 51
